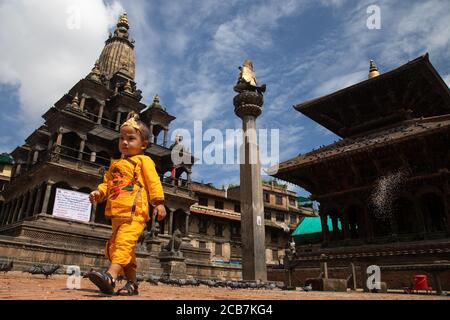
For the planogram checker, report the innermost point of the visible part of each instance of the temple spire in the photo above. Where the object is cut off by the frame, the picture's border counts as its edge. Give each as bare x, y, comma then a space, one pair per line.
373, 70
118, 52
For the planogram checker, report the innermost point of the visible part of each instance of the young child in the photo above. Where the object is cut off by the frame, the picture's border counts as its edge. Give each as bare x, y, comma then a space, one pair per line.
129, 185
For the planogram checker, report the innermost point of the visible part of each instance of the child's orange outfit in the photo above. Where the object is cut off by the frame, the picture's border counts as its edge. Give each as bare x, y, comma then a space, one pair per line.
129, 186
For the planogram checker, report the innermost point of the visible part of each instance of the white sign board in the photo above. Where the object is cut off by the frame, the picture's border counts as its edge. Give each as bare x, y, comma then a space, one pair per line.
72, 205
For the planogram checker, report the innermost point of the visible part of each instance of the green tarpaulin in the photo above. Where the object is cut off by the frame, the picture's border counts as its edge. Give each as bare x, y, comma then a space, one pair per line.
310, 225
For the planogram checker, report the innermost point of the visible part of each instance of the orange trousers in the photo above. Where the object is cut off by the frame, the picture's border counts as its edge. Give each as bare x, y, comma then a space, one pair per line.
120, 249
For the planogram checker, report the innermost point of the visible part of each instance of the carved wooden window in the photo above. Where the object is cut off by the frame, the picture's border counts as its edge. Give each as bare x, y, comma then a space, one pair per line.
267, 215
293, 218
203, 226
275, 255
202, 244
237, 207
266, 197
218, 204
219, 230
278, 200
218, 249
280, 217
203, 201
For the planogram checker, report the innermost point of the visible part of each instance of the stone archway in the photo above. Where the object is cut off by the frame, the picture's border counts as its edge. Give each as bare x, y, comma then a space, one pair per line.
179, 221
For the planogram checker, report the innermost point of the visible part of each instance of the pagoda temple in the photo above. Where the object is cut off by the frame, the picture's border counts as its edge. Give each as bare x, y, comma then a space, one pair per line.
386, 181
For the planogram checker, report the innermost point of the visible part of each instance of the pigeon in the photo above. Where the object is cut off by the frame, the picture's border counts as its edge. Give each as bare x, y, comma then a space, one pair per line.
140, 277
6, 267
153, 280
35, 269
48, 271
307, 288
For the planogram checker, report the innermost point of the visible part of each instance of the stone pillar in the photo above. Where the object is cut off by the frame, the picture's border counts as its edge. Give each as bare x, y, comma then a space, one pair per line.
48, 192
59, 138
100, 113
151, 133
93, 210
170, 224
82, 102
166, 131
7, 211
22, 206
248, 106
16, 209
186, 231
118, 116
81, 150
37, 203
8, 208
35, 156
18, 169
30, 202
3, 214
189, 177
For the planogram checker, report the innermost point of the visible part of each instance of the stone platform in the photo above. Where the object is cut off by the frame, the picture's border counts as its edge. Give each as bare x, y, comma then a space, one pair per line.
22, 286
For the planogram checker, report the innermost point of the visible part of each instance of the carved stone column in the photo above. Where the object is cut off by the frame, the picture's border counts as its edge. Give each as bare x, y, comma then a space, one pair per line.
23, 204
37, 203
81, 150
30, 202
186, 231
93, 210
248, 106
35, 156
166, 131
170, 224
118, 117
48, 192
151, 138
100, 113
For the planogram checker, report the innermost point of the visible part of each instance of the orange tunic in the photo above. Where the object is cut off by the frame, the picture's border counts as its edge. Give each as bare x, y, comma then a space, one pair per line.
129, 186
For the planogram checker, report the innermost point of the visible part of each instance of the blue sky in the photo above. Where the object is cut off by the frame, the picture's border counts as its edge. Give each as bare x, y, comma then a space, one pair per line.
189, 51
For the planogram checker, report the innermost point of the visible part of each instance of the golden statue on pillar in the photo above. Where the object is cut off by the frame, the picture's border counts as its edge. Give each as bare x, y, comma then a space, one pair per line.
247, 79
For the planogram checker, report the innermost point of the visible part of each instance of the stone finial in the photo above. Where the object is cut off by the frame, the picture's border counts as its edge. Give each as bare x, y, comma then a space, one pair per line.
128, 87
75, 102
123, 21
373, 70
95, 72
156, 103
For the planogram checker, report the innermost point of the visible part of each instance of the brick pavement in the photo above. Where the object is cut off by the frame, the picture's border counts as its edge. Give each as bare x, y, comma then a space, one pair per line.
23, 286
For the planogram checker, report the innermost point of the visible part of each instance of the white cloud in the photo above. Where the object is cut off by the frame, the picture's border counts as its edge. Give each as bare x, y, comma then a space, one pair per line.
47, 54
340, 82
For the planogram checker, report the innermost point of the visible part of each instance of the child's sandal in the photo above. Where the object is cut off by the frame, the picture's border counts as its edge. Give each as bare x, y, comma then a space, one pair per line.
103, 280
129, 289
